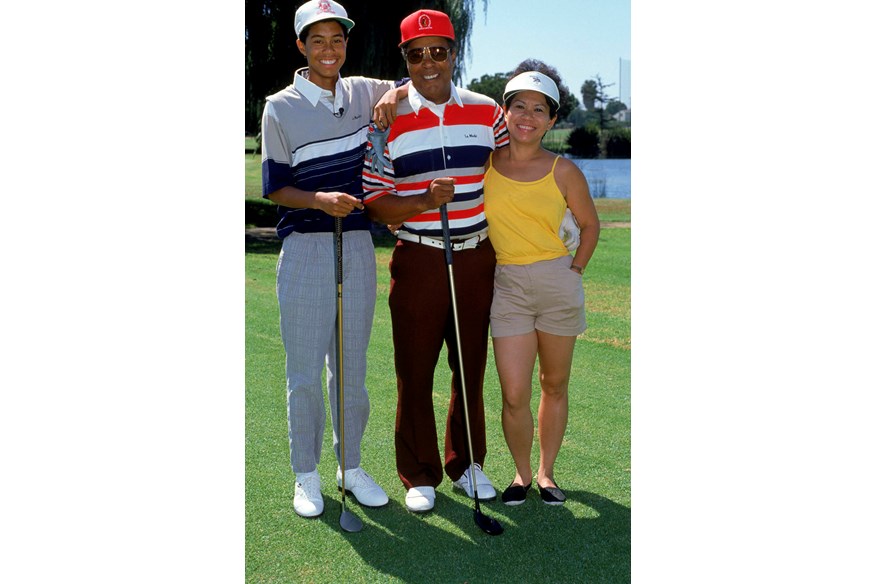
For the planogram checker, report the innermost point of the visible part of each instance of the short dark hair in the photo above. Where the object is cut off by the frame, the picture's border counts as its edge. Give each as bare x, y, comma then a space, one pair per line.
306, 30
542, 67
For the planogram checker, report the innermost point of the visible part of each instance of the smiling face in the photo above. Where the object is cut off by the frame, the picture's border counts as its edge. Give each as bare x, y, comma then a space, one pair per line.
432, 78
325, 49
528, 117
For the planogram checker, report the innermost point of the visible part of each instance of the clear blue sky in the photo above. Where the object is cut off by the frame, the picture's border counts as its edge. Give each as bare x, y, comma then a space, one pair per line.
581, 38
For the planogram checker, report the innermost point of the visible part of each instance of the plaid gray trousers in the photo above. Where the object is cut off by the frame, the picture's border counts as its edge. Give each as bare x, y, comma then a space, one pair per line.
307, 295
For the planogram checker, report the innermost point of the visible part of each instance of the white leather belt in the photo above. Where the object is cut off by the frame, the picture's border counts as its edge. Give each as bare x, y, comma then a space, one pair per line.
470, 243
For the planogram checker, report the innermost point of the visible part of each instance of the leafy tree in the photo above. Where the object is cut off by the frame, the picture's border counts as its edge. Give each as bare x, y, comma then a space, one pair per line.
578, 118
490, 85
589, 118
271, 55
614, 106
584, 142
588, 92
593, 92
616, 143
568, 104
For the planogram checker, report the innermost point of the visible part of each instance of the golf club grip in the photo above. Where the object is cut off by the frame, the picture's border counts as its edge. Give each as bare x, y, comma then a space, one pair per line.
445, 232
339, 238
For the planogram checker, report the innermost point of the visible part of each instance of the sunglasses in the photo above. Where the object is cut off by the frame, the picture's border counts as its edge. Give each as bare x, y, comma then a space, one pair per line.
437, 54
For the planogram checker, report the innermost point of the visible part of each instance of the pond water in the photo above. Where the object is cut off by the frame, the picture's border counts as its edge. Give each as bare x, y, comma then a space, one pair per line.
608, 178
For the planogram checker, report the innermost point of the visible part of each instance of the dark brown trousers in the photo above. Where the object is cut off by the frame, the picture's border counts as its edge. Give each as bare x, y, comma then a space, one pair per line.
422, 322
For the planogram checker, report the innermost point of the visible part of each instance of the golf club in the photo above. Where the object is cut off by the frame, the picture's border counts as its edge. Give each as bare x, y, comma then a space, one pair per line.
487, 524
349, 522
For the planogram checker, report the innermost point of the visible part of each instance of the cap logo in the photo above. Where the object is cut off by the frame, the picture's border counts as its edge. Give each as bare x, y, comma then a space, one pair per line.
535, 79
425, 22
324, 7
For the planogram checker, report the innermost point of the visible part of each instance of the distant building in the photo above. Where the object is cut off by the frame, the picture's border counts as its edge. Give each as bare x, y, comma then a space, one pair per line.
623, 116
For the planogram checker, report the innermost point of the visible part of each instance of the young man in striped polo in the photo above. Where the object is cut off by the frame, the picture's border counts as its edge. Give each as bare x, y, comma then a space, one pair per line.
435, 153
313, 143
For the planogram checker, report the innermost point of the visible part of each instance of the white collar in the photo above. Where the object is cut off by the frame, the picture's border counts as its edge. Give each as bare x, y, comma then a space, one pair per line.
417, 100
313, 92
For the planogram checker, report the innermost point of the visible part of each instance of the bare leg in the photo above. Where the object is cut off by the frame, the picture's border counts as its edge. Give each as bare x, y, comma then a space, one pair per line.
515, 361
554, 368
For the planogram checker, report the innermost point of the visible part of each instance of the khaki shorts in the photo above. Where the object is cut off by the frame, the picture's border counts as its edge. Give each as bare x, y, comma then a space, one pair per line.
546, 296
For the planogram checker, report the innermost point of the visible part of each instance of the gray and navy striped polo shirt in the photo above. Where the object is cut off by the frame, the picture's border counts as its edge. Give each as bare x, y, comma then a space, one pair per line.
313, 148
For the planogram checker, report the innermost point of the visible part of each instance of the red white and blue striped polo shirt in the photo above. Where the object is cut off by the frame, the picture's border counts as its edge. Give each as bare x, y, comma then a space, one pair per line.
422, 146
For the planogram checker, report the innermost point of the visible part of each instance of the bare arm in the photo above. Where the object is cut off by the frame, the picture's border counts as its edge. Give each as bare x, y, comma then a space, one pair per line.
385, 111
574, 186
332, 203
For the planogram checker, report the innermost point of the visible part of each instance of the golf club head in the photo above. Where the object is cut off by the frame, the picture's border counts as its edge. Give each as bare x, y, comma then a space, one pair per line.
350, 522
487, 524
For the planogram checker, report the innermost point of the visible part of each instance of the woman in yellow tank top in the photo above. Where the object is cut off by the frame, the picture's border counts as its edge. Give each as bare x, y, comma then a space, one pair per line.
538, 302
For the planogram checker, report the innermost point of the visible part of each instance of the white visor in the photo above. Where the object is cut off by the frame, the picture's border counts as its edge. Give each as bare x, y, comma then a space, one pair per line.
533, 81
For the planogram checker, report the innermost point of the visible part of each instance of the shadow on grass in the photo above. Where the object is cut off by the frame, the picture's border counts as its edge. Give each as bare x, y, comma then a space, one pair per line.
262, 244
540, 543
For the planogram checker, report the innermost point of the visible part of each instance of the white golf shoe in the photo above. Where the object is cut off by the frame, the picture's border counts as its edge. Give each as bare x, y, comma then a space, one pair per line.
420, 499
308, 499
362, 486
486, 492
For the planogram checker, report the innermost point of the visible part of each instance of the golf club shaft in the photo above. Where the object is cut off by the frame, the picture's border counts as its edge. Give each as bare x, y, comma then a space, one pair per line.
349, 522
448, 254
486, 524
339, 352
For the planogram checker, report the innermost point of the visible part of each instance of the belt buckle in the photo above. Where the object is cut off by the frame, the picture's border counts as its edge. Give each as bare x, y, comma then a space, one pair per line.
470, 243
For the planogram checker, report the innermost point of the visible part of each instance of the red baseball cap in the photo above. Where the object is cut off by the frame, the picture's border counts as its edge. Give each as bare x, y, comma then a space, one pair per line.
424, 23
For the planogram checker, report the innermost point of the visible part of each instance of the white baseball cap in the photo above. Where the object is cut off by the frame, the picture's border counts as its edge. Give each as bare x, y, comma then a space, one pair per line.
533, 81
317, 10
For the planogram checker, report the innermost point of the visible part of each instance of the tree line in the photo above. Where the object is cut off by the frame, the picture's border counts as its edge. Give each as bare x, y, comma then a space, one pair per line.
595, 131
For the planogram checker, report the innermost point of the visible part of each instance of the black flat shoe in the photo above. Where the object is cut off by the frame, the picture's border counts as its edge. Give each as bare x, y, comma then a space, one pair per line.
552, 495
515, 494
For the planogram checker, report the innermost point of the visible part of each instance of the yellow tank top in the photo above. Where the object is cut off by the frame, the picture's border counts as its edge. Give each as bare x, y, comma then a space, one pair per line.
524, 217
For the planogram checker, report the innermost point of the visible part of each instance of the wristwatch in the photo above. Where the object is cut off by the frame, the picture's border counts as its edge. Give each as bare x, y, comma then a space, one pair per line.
578, 269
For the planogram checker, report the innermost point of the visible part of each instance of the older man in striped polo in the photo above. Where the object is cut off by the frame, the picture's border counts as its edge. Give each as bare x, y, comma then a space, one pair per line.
435, 154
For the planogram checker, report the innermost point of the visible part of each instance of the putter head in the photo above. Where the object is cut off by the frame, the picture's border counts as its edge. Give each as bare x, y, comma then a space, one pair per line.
487, 524
350, 522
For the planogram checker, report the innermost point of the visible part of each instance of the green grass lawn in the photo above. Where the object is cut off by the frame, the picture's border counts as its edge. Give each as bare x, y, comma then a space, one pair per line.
613, 210
253, 181
555, 140
585, 540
